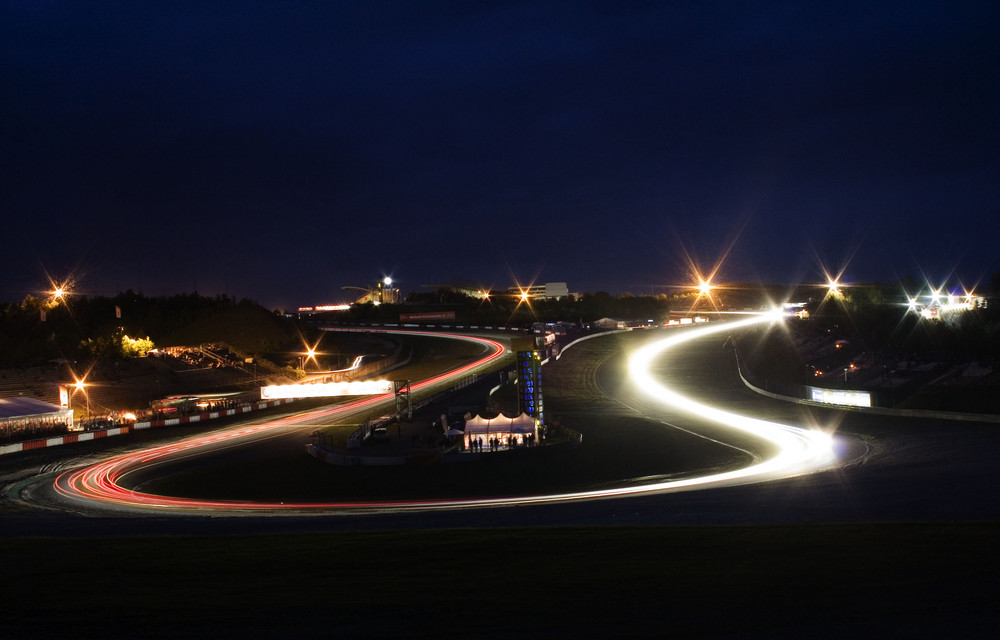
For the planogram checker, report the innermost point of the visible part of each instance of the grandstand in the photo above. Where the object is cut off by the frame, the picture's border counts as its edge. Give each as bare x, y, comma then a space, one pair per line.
22, 418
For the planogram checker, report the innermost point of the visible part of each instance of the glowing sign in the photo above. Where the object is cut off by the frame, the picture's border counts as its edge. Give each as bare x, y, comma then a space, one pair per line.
841, 397
326, 389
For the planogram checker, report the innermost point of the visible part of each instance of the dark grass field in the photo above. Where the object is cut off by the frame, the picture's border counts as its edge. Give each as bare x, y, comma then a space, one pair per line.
863, 580
603, 459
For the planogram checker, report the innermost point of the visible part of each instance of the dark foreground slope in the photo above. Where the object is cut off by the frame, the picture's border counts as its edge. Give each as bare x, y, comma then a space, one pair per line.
701, 582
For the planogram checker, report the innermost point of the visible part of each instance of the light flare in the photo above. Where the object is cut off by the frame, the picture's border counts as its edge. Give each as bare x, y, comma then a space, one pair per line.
704, 288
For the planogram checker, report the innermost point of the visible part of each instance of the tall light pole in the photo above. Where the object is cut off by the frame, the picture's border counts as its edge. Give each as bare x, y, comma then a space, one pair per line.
82, 386
386, 286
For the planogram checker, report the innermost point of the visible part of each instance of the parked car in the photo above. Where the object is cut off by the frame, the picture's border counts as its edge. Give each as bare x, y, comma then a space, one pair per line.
96, 424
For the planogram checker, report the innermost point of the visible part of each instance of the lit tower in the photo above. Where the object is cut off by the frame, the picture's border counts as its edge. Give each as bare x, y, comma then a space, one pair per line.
386, 294
529, 379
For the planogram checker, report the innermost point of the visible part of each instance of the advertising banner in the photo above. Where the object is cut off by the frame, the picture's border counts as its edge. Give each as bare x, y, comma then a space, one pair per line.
841, 396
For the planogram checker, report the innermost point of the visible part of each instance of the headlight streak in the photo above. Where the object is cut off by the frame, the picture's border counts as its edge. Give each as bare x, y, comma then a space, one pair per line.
799, 451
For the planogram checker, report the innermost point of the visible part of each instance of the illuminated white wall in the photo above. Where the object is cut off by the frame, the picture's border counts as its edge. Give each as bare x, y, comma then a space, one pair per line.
841, 397
326, 389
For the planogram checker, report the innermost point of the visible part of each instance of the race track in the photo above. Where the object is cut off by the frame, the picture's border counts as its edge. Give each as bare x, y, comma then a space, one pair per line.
784, 462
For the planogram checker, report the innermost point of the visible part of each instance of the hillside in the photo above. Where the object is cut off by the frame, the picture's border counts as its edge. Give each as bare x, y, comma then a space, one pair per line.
246, 329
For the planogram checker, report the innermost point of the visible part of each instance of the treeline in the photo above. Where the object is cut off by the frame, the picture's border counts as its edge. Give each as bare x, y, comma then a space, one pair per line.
877, 319
38, 330
888, 329
508, 310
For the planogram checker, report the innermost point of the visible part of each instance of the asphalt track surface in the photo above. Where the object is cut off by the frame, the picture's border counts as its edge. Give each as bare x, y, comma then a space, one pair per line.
890, 469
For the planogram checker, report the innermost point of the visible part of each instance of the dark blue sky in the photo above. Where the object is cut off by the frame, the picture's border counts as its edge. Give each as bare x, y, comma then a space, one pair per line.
281, 150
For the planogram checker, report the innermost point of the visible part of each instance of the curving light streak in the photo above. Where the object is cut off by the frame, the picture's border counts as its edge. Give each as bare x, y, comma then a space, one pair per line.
101, 481
798, 451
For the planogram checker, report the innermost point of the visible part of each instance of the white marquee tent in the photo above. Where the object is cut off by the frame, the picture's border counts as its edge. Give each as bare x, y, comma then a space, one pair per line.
501, 427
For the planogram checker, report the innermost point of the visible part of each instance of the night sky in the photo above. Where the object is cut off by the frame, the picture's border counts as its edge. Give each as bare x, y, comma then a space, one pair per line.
281, 150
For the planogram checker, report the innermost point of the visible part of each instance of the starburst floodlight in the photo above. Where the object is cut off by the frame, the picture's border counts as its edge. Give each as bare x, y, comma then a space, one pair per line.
309, 353
777, 313
60, 292
704, 287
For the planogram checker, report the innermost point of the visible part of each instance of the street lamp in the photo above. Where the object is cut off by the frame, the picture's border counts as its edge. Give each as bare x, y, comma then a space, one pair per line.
386, 292
60, 291
82, 386
309, 354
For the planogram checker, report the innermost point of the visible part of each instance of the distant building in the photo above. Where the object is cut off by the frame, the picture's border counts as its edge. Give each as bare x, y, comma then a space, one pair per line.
547, 291
609, 323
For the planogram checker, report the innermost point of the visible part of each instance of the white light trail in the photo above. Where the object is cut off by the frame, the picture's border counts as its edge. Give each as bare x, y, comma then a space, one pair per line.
799, 449
325, 389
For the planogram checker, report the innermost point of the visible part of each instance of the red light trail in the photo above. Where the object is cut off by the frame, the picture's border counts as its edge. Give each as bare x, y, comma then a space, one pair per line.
102, 482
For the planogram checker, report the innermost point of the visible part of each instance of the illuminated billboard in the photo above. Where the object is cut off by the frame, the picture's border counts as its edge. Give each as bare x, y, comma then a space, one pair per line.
841, 397
326, 389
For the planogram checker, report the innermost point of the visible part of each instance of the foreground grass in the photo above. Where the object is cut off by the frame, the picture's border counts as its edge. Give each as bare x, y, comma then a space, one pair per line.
775, 581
